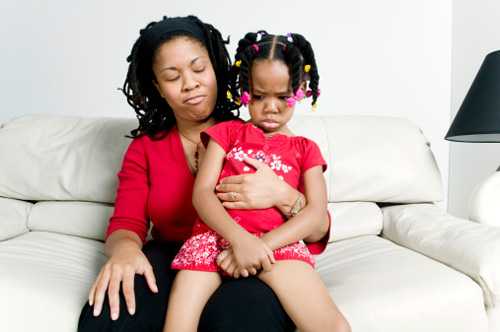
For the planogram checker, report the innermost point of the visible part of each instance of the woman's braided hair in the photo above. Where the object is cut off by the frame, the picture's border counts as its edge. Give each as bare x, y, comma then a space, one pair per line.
294, 50
153, 112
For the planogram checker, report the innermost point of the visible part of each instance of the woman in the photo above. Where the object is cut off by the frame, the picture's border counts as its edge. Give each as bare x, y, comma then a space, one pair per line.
179, 83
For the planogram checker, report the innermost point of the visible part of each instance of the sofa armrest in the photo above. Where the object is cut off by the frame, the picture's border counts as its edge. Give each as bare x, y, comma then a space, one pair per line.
13, 217
471, 248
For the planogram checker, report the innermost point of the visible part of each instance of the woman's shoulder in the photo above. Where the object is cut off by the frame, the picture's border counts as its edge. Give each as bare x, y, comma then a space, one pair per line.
158, 138
146, 145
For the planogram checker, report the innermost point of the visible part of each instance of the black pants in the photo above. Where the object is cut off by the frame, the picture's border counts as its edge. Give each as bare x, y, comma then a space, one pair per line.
238, 305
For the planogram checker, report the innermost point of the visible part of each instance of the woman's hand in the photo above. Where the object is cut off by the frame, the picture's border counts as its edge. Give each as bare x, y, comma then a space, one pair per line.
249, 253
260, 190
121, 268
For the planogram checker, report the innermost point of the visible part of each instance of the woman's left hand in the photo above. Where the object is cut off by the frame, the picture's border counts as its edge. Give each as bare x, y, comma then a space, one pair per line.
227, 263
260, 190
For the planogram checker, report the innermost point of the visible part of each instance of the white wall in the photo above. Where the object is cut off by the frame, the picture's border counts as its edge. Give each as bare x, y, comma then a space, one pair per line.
476, 26
386, 57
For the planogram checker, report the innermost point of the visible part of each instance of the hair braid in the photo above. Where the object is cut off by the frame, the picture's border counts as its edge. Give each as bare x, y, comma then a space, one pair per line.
309, 59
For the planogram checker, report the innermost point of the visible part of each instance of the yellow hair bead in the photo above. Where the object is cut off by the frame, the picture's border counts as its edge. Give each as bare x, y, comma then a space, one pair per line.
238, 63
315, 107
229, 95
307, 68
237, 102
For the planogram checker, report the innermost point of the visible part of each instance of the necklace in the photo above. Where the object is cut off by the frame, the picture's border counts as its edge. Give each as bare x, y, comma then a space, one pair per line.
195, 167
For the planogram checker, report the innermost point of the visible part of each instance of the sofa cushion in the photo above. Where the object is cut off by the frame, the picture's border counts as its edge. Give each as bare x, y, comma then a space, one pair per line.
382, 287
373, 158
84, 219
62, 158
45, 279
350, 219
13, 217
370, 158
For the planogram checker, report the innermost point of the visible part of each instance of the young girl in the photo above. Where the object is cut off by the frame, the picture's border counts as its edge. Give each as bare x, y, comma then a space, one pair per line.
274, 72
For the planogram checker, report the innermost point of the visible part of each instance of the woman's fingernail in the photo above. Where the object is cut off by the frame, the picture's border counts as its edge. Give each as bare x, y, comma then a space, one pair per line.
131, 311
114, 316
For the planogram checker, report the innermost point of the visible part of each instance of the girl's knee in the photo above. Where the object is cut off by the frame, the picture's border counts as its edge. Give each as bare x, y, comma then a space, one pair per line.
340, 324
333, 322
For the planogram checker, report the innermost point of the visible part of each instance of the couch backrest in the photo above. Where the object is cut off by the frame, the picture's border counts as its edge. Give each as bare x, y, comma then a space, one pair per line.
374, 158
71, 159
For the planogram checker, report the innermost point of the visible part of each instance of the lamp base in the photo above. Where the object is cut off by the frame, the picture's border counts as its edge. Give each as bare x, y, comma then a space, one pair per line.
484, 205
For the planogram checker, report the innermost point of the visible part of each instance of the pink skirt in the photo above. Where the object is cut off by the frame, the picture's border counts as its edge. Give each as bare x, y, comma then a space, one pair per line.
200, 252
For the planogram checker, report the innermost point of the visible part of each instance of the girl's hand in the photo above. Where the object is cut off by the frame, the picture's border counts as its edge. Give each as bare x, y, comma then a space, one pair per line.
227, 262
260, 190
251, 252
121, 269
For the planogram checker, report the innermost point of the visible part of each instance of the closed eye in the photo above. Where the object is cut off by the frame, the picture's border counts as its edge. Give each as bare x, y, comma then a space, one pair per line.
172, 79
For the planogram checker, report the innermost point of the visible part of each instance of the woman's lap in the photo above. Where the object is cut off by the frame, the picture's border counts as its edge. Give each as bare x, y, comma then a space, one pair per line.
244, 305
238, 305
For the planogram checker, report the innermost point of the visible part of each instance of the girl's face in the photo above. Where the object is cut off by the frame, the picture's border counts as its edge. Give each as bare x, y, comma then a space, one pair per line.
185, 78
270, 87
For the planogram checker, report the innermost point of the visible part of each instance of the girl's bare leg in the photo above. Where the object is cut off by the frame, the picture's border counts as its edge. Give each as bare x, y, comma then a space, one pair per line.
304, 297
188, 296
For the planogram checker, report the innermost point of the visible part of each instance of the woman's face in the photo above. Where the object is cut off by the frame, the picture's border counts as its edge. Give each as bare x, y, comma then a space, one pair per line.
185, 78
270, 87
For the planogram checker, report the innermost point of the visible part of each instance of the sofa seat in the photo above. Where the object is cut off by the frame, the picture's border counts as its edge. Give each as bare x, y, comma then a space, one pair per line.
384, 287
373, 280
48, 275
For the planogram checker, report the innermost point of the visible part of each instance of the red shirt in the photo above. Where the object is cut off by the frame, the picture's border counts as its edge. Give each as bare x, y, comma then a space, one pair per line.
155, 184
288, 156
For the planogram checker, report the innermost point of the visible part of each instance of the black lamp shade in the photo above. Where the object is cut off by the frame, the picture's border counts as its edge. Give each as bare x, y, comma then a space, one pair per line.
478, 119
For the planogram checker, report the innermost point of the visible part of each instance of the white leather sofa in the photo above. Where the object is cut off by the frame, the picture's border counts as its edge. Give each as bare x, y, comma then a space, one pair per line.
397, 262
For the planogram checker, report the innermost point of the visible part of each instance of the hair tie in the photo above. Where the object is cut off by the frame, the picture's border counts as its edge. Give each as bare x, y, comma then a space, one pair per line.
289, 37
290, 101
298, 96
245, 98
255, 48
259, 36
309, 93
